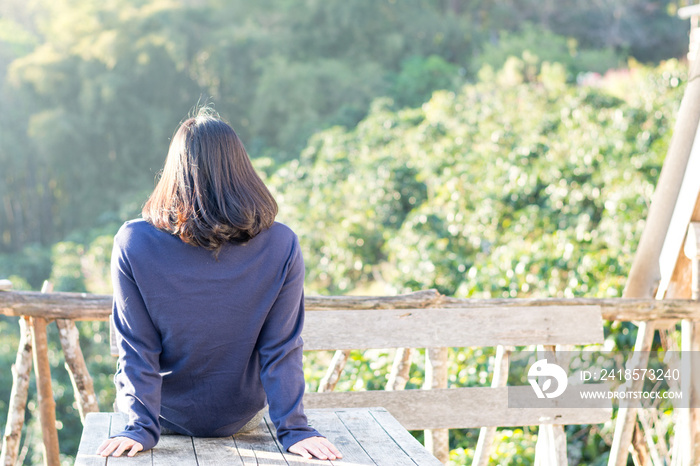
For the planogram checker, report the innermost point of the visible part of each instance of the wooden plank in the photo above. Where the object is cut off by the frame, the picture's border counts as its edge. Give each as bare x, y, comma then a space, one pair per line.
378, 444
143, 458
422, 328
95, 431
464, 408
174, 449
258, 447
216, 451
82, 306
406, 441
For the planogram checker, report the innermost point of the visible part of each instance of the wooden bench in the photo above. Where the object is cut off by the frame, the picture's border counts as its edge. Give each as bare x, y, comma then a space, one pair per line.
470, 407
544, 326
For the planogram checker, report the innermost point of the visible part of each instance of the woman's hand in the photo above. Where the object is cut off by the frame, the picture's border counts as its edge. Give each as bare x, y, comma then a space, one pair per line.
119, 445
319, 447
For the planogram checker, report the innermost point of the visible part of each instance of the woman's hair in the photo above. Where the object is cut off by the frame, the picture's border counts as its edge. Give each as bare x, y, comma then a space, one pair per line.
209, 193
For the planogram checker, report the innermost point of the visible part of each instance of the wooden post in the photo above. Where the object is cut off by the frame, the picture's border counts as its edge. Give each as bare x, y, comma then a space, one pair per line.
486, 434
689, 423
400, 369
83, 388
436, 440
42, 373
21, 373
550, 449
47, 405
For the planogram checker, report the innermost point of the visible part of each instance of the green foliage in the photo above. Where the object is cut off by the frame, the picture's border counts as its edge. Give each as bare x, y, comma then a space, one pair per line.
507, 188
32, 265
419, 77
102, 85
534, 43
67, 274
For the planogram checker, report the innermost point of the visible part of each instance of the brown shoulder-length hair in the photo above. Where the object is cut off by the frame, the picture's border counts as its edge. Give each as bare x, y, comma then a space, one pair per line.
209, 193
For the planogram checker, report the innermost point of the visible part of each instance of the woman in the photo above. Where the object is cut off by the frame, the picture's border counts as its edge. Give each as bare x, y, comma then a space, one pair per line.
208, 303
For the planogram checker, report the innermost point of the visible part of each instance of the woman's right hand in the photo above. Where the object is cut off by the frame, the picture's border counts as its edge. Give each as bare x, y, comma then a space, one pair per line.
119, 445
319, 447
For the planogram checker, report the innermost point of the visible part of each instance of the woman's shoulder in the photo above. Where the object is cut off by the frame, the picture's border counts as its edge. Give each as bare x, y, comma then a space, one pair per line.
281, 232
137, 231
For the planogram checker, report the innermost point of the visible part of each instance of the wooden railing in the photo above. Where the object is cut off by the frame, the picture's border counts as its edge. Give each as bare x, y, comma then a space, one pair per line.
37, 309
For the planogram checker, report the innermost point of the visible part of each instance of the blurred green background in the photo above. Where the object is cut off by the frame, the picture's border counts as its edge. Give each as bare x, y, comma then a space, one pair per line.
486, 148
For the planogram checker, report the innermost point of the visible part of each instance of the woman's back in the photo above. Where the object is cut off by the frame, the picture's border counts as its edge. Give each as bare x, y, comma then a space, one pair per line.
210, 315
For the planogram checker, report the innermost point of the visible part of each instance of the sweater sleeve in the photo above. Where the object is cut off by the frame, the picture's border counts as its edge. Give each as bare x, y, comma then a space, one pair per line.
137, 379
280, 347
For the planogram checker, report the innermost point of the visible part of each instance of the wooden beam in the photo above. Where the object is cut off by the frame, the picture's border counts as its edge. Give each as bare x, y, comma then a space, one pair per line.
82, 306
466, 408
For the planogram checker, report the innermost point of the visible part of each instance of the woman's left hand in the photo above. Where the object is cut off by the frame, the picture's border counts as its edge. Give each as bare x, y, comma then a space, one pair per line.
119, 445
319, 447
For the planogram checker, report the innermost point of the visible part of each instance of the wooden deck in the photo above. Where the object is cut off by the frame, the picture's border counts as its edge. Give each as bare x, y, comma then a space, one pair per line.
365, 436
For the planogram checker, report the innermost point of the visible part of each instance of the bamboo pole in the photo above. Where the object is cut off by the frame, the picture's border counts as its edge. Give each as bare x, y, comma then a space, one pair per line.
436, 440
644, 275
487, 434
21, 373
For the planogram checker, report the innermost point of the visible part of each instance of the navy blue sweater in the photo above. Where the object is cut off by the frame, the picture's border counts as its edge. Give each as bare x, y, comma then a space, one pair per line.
205, 343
